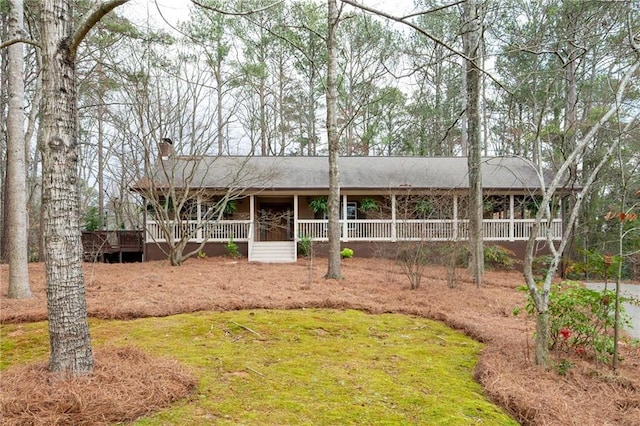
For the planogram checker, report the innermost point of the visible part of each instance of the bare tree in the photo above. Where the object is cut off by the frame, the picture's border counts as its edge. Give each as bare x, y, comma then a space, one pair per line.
333, 16
417, 250
624, 213
16, 162
180, 204
542, 226
471, 54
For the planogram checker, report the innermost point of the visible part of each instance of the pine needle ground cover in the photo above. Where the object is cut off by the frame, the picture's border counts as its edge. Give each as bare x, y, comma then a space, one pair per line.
309, 366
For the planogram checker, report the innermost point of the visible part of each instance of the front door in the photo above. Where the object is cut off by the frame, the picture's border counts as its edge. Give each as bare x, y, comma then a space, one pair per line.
275, 221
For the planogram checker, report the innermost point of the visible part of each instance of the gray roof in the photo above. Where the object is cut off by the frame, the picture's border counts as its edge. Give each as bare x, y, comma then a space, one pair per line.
312, 173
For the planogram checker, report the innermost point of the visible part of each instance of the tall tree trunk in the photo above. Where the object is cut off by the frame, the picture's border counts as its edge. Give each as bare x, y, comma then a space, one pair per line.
101, 109
570, 136
16, 163
4, 33
471, 17
265, 145
219, 96
333, 271
464, 142
311, 111
66, 303
58, 141
33, 177
3, 216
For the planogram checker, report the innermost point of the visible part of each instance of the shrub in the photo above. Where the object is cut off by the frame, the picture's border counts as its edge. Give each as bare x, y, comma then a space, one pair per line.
451, 254
498, 257
595, 265
305, 246
563, 367
232, 249
413, 258
540, 266
346, 253
582, 320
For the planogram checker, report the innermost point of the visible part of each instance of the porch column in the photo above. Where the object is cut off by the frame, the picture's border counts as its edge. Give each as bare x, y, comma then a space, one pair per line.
252, 219
394, 234
512, 215
295, 218
455, 217
345, 228
561, 207
199, 217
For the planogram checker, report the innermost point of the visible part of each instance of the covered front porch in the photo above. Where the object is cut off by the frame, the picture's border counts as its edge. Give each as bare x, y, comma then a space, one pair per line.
270, 225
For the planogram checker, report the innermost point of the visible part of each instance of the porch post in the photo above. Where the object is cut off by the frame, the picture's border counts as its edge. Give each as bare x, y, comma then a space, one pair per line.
295, 224
345, 228
561, 207
251, 225
512, 223
455, 217
199, 217
394, 234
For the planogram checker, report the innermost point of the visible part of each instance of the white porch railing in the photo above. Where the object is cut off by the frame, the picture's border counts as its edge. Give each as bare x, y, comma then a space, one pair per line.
221, 231
370, 230
359, 230
416, 230
316, 229
431, 230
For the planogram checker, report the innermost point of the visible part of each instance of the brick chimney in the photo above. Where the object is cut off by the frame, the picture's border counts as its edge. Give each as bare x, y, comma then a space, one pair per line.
165, 149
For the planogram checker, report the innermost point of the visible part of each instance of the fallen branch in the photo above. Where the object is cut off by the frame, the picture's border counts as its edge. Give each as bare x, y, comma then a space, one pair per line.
247, 328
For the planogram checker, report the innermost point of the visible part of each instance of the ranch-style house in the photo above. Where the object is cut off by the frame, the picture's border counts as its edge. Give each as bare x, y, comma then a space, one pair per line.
267, 205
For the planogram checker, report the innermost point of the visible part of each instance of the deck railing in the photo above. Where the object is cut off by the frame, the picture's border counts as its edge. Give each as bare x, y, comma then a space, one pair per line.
358, 230
96, 245
112, 241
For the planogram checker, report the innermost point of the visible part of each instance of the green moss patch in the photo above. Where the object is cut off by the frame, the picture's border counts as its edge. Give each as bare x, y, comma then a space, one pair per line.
23, 343
304, 367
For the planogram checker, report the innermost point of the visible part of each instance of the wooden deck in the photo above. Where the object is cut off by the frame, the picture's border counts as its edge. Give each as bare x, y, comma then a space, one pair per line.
112, 246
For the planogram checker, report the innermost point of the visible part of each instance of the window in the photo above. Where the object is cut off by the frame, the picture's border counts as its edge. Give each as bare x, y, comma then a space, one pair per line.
352, 210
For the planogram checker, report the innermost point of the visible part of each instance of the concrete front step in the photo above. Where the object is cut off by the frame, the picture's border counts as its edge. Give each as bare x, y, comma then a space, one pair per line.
273, 252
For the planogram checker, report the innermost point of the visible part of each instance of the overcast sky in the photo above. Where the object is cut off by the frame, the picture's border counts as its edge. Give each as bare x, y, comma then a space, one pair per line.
174, 11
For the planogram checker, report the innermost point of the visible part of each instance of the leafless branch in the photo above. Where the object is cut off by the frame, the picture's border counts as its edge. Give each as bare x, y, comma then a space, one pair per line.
427, 34
435, 9
248, 329
18, 40
540, 296
225, 12
169, 24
